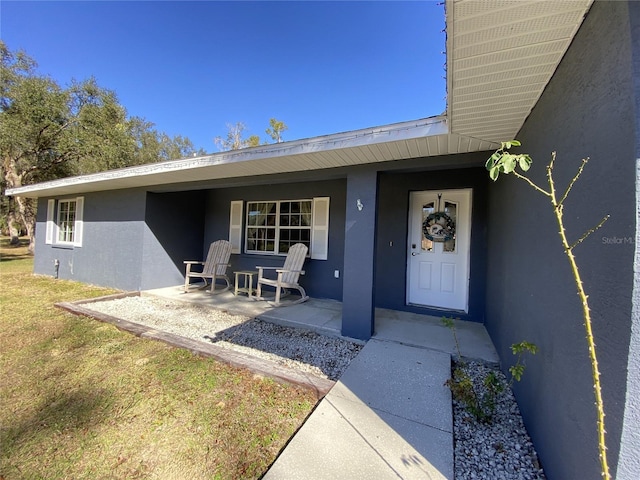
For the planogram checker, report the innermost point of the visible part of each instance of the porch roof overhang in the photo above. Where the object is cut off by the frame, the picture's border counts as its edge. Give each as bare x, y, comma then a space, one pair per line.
427, 137
500, 57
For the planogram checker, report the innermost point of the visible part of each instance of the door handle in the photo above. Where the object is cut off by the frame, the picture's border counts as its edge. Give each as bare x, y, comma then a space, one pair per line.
413, 254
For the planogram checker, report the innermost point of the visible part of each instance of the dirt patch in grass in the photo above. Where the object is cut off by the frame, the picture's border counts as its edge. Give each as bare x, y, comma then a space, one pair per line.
80, 399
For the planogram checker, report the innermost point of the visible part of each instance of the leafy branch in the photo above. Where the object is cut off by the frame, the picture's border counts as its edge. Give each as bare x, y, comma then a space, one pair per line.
503, 161
519, 349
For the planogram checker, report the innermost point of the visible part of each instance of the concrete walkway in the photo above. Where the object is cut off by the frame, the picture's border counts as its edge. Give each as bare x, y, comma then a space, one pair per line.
389, 416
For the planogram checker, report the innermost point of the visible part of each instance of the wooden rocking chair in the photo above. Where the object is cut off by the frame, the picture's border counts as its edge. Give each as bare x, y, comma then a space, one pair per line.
287, 275
215, 267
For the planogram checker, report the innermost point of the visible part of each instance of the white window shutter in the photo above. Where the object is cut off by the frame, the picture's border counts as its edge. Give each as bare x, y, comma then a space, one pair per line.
235, 226
78, 226
320, 229
50, 229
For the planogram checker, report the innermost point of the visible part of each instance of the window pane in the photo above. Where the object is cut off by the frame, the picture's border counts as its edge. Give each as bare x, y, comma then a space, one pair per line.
288, 221
66, 220
451, 209
258, 213
427, 209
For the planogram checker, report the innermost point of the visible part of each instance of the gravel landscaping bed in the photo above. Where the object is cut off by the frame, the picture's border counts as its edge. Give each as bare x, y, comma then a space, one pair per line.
499, 450
306, 351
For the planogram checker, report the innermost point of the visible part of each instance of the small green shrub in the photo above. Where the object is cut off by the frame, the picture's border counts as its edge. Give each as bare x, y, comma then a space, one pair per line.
482, 404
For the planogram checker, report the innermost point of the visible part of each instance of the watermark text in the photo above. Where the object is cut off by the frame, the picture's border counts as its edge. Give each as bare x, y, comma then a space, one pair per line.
618, 240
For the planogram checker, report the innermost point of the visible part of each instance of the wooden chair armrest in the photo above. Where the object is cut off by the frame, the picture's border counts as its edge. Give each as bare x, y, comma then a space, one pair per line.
189, 264
280, 270
261, 270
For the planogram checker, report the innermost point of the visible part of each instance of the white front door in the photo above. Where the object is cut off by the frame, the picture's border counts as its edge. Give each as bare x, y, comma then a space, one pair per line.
438, 249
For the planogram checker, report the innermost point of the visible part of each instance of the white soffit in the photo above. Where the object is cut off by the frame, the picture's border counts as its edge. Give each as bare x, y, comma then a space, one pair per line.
500, 56
400, 141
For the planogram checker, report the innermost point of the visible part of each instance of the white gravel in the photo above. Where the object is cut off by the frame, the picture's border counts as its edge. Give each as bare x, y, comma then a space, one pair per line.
501, 450
307, 351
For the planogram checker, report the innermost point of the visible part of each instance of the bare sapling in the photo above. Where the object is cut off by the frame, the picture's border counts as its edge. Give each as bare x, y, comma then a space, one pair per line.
502, 161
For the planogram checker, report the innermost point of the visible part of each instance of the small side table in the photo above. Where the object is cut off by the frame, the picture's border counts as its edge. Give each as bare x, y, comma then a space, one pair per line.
248, 282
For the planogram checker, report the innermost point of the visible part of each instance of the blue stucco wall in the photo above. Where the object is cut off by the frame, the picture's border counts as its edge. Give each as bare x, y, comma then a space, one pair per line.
586, 110
319, 279
132, 240
110, 255
391, 254
174, 233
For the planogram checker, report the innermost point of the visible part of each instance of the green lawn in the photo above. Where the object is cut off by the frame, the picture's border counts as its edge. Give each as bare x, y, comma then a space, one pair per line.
80, 399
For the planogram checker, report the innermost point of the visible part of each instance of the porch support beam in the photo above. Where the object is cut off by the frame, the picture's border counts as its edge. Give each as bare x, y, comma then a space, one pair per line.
358, 303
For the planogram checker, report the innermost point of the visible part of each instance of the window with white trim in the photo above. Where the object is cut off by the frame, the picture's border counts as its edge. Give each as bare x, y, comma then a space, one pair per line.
64, 221
273, 227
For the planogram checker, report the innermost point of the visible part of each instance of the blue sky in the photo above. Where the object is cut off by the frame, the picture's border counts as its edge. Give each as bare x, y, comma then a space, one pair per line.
193, 67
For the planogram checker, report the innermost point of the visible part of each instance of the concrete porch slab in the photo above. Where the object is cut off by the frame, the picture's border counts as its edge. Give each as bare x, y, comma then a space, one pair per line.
429, 332
325, 316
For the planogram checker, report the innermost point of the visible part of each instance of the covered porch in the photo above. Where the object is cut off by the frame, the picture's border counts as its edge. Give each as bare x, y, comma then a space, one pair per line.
324, 316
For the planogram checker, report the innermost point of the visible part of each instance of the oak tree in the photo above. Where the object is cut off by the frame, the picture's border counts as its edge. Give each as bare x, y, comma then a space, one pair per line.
49, 132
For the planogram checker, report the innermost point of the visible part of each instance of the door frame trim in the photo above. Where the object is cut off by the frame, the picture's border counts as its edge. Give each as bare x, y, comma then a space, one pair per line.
469, 218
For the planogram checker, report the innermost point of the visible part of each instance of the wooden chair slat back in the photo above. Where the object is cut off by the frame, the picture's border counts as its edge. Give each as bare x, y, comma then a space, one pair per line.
294, 261
219, 254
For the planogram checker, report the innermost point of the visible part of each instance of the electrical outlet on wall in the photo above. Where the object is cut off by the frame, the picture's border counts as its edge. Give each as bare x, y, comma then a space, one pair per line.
336, 274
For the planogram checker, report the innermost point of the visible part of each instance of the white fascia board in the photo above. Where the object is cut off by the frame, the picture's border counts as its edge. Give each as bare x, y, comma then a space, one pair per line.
150, 174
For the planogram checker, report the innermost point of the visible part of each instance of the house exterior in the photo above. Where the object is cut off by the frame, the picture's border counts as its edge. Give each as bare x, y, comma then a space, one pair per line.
558, 76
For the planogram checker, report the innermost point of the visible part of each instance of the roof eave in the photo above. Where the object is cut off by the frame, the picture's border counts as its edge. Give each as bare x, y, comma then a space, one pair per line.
412, 139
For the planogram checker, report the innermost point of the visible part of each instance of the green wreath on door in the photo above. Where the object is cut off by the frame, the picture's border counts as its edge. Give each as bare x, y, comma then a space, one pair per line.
439, 227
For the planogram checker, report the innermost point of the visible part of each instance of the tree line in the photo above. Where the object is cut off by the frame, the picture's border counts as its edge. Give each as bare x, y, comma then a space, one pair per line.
48, 131
235, 140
